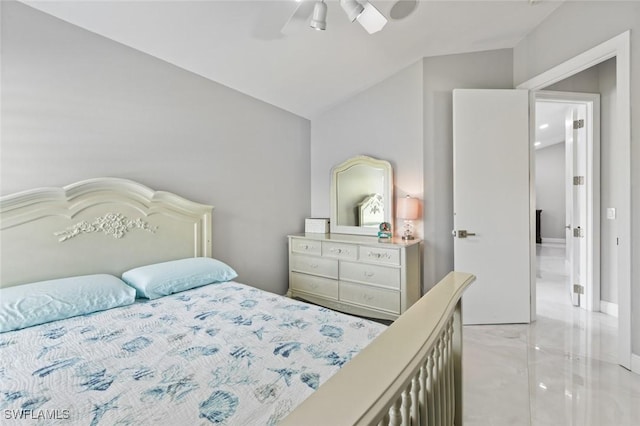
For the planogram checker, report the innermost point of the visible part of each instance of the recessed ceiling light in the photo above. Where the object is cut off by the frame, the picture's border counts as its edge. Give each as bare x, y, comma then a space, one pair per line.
537, 143
543, 126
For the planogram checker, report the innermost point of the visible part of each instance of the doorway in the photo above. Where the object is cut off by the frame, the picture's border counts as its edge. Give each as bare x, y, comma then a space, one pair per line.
620, 208
567, 181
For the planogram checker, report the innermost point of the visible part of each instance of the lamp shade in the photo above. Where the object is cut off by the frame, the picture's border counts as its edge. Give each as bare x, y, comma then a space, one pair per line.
319, 19
408, 208
352, 8
371, 19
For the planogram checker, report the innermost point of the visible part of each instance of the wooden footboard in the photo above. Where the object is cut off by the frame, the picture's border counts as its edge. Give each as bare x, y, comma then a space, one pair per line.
410, 375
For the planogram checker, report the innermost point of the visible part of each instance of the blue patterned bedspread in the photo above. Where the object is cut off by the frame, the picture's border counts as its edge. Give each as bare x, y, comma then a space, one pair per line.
223, 354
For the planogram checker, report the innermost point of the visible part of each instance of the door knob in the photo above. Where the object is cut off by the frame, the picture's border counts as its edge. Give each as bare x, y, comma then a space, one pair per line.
462, 233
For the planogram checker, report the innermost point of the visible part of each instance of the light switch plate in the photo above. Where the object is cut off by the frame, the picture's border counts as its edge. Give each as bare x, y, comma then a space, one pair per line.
611, 213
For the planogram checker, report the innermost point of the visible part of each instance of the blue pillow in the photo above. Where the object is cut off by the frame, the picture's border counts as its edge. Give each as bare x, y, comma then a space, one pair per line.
162, 279
37, 303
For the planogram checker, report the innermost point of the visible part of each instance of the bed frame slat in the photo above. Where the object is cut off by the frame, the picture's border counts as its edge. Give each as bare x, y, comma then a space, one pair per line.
421, 382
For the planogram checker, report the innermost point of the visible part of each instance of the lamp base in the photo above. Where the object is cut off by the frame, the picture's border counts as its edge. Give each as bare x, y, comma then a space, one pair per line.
407, 234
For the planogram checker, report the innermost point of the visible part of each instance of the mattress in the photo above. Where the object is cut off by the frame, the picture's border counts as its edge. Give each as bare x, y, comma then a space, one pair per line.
220, 354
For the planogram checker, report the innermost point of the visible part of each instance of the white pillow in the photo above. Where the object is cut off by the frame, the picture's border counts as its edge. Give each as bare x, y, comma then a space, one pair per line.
40, 302
162, 279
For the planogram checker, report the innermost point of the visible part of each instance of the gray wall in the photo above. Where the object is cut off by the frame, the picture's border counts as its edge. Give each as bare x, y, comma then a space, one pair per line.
407, 119
76, 105
610, 192
384, 122
581, 26
550, 190
442, 74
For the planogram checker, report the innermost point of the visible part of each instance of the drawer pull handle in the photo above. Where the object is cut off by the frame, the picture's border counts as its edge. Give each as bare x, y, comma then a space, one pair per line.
368, 274
379, 255
314, 285
339, 250
367, 297
306, 247
313, 265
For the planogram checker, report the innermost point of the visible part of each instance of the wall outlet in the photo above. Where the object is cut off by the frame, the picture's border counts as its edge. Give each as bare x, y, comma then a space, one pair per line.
611, 213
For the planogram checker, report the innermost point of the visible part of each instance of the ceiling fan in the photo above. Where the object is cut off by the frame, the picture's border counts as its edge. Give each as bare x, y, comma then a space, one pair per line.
314, 13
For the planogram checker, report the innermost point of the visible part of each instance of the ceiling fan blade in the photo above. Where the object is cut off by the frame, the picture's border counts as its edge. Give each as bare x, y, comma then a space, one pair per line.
300, 17
371, 19
403, 8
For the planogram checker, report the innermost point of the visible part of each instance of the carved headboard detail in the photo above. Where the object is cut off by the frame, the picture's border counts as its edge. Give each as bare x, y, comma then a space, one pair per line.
102, 225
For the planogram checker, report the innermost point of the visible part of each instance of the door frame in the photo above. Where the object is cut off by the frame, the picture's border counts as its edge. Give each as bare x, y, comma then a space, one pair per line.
618, 47
591, 101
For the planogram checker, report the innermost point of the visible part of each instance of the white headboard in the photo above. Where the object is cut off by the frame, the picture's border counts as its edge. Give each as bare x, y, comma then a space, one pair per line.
103, 225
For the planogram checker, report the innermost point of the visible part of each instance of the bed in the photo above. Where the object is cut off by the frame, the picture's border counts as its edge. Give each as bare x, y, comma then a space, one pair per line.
220, 353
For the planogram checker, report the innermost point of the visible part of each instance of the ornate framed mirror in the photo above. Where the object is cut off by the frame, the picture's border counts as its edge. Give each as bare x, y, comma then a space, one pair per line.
361, 195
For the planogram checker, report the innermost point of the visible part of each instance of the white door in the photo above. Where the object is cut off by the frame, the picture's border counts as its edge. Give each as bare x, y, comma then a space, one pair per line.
491, 203
568, 191
576, 161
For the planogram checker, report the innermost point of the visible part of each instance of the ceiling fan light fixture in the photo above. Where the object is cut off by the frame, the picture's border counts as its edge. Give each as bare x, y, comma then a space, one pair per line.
352, 8
371, 19
319, 18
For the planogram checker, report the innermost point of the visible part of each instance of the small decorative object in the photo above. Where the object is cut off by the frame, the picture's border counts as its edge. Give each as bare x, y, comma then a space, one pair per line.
408, 209
385, 230
316, 225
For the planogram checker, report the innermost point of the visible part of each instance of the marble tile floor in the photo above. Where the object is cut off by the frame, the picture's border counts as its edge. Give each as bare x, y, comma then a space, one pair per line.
558, 370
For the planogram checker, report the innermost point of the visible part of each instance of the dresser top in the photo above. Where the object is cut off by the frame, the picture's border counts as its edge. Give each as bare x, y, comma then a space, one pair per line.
358, 239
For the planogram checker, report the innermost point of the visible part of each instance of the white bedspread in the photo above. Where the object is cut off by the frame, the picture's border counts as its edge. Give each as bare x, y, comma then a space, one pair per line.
223, 354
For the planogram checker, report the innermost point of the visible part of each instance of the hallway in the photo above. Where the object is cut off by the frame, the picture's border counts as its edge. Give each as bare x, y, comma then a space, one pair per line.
559, 370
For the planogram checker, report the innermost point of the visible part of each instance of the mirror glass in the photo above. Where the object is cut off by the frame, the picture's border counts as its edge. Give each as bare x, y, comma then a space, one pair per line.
361, 196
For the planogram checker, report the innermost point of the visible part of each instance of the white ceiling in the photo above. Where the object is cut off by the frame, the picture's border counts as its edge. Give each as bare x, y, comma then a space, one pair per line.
239, 44
553, 115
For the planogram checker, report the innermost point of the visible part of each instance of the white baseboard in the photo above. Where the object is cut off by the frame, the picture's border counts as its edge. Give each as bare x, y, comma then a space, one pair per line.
553, 240
609, 308
635, 363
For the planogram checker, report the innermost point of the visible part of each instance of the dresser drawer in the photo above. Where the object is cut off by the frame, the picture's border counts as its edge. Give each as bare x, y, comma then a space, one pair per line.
314, 285
299, 245
370, 274
372, 297
340, 251
314, 265
355, 274
387, 256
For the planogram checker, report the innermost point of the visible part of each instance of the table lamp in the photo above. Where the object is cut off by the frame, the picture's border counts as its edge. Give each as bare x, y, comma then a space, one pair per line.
408, 209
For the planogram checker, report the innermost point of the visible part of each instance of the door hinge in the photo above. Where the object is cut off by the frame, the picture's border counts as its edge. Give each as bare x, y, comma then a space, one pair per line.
578, 124
578, 180
578, 289
578, 233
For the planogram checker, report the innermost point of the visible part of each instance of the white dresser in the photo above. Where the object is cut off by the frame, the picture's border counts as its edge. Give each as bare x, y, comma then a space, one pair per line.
355, 274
